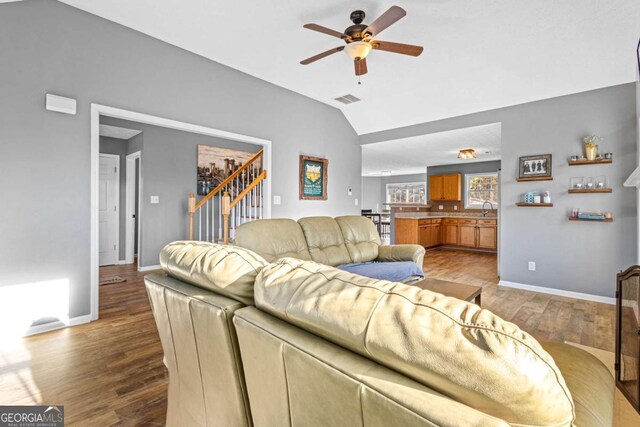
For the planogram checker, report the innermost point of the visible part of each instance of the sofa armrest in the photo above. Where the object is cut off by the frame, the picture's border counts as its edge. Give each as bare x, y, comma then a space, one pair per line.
390, 253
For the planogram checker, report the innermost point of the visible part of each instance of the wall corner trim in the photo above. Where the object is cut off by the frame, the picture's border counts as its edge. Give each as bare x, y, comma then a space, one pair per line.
559, 292
58, 324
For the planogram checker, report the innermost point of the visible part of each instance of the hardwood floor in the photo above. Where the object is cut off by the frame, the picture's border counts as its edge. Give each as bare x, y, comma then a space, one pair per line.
107, 372
546, 317
110, 372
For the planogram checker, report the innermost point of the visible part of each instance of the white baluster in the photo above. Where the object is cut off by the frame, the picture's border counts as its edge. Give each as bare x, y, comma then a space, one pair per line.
206, 207
200, 224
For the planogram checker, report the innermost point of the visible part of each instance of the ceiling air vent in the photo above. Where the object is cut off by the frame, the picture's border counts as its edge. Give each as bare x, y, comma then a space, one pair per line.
347, 99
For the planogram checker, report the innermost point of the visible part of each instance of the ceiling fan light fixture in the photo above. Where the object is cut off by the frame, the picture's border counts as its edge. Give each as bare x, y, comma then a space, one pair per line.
467, 154
358, 49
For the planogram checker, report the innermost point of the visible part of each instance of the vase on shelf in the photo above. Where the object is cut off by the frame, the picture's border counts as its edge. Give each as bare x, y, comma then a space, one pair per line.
591, 146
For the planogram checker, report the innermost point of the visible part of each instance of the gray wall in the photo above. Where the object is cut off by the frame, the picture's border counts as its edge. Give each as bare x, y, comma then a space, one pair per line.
169, 160
118, 147
49, 47
573, 256
464, 168
371, 193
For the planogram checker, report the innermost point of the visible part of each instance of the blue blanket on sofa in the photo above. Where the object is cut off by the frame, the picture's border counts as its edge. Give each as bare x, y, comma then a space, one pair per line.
392, 271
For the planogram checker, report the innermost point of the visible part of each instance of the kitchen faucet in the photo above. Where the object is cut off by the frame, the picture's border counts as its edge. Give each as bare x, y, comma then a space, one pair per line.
484, 211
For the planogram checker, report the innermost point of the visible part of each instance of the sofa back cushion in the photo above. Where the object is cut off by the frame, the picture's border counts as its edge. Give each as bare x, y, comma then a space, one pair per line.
324, 240
273, 239
360, 236
226, 270
452, 346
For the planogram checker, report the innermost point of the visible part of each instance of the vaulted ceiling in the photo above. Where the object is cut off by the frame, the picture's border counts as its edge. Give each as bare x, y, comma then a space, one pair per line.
478, 55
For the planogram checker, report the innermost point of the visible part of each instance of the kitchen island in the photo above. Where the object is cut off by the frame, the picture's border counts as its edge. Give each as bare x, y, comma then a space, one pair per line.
463, 230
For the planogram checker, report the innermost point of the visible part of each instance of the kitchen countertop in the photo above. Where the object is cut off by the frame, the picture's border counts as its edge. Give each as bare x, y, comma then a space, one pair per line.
431, 215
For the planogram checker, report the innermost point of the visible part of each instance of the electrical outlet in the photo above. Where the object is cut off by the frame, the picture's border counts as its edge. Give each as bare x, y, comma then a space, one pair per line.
276, 200
455, 207
532, 266
440, 207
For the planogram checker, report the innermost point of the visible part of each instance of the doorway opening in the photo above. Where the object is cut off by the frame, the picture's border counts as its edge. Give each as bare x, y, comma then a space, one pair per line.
441, 191
143, 206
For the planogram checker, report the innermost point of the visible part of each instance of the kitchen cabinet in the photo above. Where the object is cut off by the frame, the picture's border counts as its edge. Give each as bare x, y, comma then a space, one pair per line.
450, 232
465, 233
487, 234
445, 187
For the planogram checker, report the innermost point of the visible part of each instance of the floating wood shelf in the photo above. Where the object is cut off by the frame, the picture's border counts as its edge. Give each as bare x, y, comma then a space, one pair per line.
591, 220
589, 162
590, 190
534, 205
535, 178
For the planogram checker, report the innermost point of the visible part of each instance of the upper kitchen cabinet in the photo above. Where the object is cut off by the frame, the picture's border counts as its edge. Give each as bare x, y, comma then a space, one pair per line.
445, 187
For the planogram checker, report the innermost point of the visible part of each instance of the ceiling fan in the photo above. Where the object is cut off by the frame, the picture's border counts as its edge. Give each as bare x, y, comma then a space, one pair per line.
359, 38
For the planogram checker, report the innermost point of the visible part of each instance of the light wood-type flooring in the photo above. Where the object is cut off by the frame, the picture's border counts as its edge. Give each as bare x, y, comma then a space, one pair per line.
110, 372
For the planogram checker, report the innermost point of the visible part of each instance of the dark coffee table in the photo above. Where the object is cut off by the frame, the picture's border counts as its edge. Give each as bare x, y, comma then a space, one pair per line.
452, 289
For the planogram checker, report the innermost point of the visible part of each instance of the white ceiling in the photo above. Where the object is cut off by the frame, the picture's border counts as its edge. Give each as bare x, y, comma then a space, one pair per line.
478, 55
118, 132
411, 155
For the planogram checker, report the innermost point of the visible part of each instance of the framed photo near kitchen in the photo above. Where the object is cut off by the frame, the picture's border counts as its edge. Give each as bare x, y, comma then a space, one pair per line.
313, 178
535, 167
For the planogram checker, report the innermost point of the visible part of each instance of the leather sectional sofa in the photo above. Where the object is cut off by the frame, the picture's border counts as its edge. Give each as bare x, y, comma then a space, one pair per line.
346, 242
298, 343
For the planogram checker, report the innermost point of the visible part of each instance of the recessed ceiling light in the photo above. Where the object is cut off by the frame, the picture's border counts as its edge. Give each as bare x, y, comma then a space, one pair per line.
385, 173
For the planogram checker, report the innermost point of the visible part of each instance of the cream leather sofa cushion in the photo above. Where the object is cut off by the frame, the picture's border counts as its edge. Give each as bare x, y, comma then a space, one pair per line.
273, 239
227, 270
452, 346
360, 236
324, 239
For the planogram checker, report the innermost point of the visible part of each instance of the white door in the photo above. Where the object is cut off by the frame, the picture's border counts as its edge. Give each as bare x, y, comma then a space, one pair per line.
108, 197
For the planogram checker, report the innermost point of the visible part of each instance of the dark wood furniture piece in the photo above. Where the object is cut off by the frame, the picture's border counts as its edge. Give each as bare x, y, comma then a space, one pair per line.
452, 289
627, 361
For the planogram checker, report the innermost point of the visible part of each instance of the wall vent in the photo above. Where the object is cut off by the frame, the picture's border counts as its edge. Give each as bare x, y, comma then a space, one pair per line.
347, 99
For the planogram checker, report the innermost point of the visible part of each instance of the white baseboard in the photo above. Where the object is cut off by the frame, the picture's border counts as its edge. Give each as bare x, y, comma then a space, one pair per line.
58, 324
559, 292
150, 267
121, 262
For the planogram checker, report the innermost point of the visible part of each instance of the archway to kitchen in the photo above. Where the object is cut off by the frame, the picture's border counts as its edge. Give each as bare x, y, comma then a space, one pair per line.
441, 191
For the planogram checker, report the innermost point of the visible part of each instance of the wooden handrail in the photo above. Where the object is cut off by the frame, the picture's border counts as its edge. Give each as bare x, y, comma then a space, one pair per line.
228, 180
227, 204
250, 187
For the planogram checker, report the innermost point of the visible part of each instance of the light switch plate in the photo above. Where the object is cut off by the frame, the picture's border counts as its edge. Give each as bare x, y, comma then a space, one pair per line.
356, 202
155, 200
440, 207
276, 200
455, 207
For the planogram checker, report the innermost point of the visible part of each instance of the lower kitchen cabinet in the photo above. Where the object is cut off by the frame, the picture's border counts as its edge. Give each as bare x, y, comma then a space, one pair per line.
457, 232
467, 235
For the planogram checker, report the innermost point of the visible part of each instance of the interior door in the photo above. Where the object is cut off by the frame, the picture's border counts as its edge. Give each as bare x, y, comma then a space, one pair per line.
108, 209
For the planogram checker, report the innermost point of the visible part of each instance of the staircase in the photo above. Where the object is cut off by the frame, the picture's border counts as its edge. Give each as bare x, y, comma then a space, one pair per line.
236, 200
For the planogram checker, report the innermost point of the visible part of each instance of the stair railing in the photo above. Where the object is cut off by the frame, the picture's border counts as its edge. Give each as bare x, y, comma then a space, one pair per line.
246, 181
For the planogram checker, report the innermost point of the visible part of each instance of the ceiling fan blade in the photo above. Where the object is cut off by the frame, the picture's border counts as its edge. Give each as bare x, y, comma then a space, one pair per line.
325, 30
391, 16
322, 55
361, 66
405, 49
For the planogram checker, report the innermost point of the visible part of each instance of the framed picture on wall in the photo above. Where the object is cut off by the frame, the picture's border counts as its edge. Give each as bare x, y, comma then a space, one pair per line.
535, 167
313, 178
